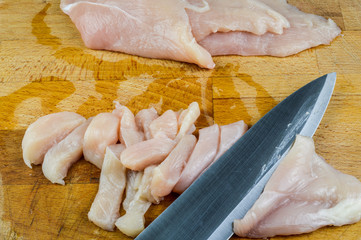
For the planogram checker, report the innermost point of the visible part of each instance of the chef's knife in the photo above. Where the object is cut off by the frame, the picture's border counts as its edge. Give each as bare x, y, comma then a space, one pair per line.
229, 188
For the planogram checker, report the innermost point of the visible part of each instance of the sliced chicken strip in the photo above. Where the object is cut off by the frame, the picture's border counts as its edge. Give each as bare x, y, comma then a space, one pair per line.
167, 174
134, 179
129, 133
187, 119
236, 15
132, 223
143, 154
303, 194
104, 210
202, 156
45, 132
144, 118
62, 155
229, 135
166, 124
101, 132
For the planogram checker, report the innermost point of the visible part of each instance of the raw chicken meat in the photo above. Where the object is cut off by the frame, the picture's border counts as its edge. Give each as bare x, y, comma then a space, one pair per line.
48, 130
229, 135
166, 124
236, 15
134, 179
146, 153
184, 31
167, 174
148, 28
102, 132
186, 120
305, 31
145, 186
135, 204
105, 208
203, 154
303, 194
62, 155
129, 133
144, 118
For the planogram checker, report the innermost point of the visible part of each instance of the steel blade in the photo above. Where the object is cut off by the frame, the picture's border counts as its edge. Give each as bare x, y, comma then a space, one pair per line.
228, 189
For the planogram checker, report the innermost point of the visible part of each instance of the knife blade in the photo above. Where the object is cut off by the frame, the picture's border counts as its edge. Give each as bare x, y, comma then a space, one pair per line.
229, 188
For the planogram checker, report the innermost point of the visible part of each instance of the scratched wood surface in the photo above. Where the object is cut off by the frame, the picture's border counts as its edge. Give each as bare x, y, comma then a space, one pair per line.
45, 68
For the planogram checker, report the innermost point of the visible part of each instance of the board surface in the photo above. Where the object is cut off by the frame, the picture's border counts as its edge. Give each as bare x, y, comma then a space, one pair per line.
45, 68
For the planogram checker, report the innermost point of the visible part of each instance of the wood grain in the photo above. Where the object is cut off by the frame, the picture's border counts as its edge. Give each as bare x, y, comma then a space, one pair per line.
45, 68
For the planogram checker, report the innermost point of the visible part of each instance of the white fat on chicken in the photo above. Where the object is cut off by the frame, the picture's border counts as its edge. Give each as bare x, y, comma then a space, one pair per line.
303, 194
129, 134
203, 154
305, 31
187, 119
144, 118
143, 154
166, 124
62, 155
101, 132
236, 15
45, 132
136, 202
167, 174
104, 210
148, 28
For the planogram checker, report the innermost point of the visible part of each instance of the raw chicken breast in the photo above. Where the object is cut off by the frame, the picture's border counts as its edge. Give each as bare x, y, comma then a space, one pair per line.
105, 208
187, 119
305, 31
166, 124
229, 135
148, 28
303, 194
203, 154
129, 133
146, 153
167, 174
48, 130
135, 204
144, 118
236, 15
62, 155
101, 132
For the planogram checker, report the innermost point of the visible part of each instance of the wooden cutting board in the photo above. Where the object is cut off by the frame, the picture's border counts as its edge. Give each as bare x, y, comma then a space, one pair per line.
45, 68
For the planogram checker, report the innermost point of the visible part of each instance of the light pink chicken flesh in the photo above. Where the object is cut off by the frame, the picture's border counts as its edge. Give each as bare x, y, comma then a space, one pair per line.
45, 132
136, 203
62, 155
149, 28
203, 154
143, 154
167, 174
129, 134
184, 31
101, 132
104, 210
251, 16
305, 31
166, 124
303, 194
229, 135
144, 118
